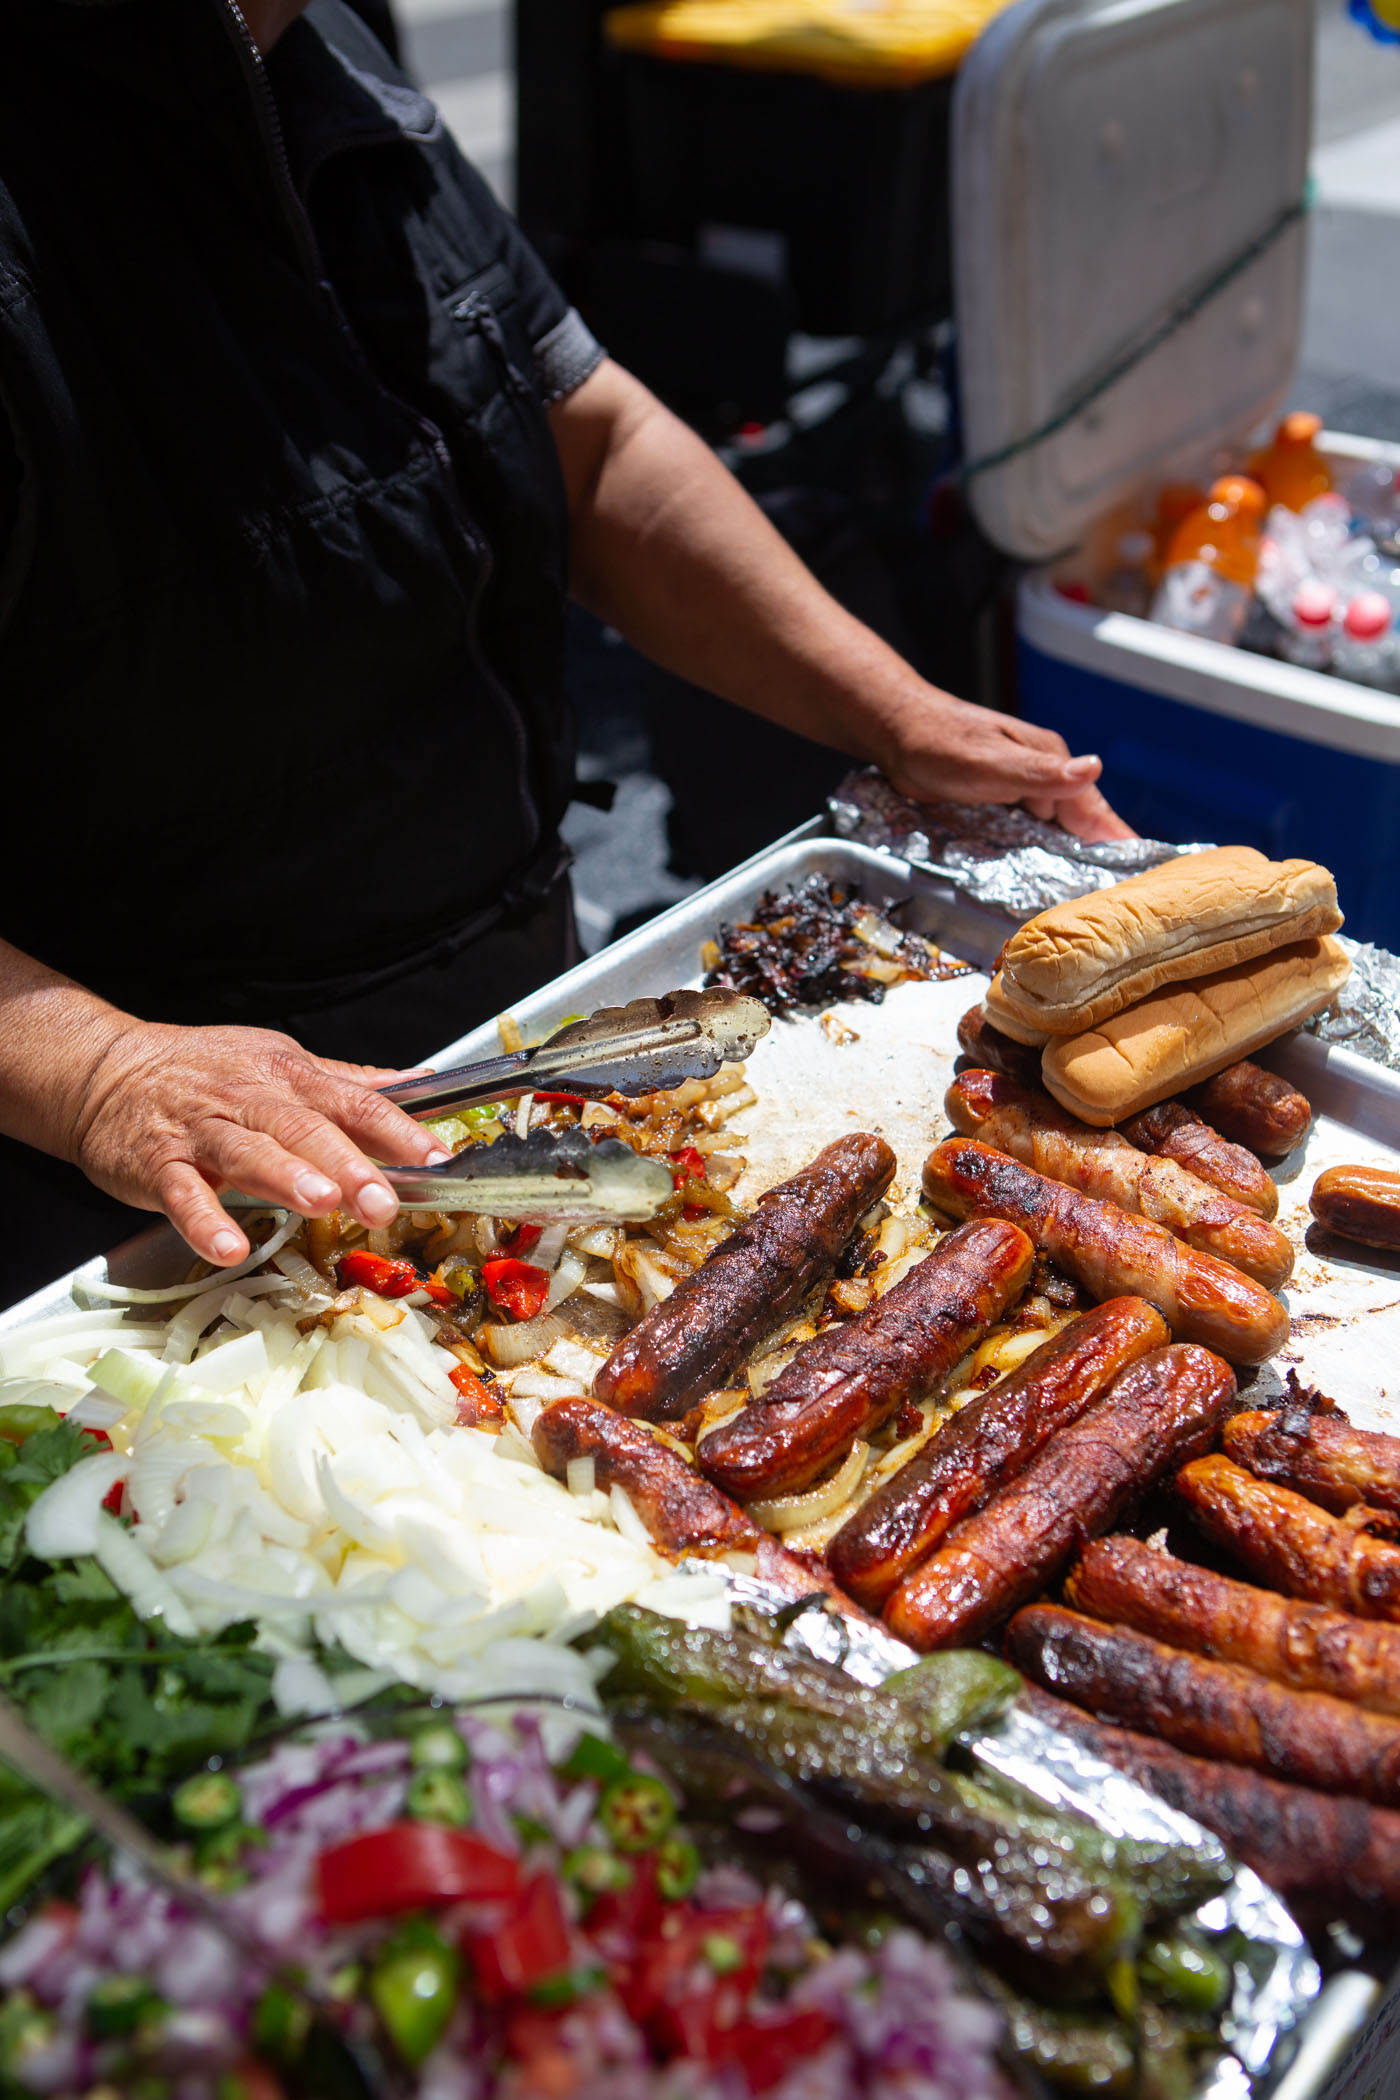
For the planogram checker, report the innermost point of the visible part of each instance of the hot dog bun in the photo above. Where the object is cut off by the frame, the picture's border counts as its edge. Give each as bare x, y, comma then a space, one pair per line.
996, 1011
1185, 1034
1081, 962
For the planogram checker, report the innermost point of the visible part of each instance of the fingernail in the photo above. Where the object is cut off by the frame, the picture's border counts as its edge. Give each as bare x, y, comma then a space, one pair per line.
226, 1245
313, 1189
377, 1203
1078, 765
437, 1158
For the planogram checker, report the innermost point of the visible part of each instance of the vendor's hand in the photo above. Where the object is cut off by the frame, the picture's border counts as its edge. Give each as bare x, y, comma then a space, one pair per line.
171, 1115
951, 751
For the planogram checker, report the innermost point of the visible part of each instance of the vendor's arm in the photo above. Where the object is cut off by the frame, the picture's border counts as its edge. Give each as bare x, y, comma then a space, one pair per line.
670, 550
163, 1117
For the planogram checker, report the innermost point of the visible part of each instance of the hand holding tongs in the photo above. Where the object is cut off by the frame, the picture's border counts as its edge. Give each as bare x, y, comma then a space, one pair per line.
642, 1048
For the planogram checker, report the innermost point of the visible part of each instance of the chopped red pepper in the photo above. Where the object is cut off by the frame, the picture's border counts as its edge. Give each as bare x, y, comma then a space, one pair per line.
564, 1100
521, 1240
362, 1271
477, 1403
768, 2048
531, 1943
687, 1165
112, 1500
439, 1293
693, 1212
515, 1287
411, 1866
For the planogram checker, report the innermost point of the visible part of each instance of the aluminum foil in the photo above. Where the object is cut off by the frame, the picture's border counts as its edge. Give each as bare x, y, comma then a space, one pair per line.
1009, 860
1275, 1977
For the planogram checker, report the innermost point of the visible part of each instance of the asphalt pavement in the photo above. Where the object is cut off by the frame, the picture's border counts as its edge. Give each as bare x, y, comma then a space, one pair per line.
1349, 367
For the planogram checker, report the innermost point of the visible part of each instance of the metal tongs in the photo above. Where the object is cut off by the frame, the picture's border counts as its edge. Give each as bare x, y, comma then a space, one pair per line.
642, 1048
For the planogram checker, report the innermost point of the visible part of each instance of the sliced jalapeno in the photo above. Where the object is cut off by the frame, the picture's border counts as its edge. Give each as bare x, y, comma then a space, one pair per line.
637, 1812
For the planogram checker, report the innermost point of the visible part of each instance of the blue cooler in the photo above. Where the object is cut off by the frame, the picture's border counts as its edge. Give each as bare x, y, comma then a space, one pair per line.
1125, 176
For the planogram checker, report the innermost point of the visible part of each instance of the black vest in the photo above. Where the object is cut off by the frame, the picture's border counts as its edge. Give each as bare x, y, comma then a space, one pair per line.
281, 622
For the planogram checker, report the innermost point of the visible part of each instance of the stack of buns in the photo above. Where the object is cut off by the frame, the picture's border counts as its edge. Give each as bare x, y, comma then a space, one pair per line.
1137, 991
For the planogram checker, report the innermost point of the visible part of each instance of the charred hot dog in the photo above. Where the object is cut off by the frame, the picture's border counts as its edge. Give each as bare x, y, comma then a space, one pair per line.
1212, 1709
1305, 1646
1253, 1107
1167, 1403
986, 1444
1110, 1251
1359, 1203
689, 1343
847, 1381
683, 1513
1035, 1129
995, 1052
1171, 1130
1289, 1542
1324, 1457
1313, 1848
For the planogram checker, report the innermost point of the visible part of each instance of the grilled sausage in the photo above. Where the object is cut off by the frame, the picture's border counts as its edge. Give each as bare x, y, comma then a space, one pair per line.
1315, 1849
1161, 1406
987, 1443
1253, 1107
683, 1513
690, 1342
988, 1047
1171, 1130
1323, 1456
1359, 1203
1212, 1709
1030, 1126
1111, 1252
844, 1383
1289, 1542
1305, 1646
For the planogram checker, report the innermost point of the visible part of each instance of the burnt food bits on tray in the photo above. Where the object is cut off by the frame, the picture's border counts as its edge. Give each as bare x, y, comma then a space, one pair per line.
817, 943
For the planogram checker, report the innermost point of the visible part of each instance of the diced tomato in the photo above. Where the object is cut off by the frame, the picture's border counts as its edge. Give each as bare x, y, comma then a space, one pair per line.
112, 1500
359, 1270
687, 1165
674, 1968
515, 1287
768, 2048
693, 1212
99, 1437
411, 1866
477, 1402
622, 1920
531, 1942
521, 1240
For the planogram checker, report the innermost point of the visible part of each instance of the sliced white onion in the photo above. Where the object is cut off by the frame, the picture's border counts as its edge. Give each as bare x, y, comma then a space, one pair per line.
569, 1359
305, 1279
566, 1279
519, 1344
126, 1294
579, 1476
93, 1411
538, 1385
522, 1115
132, 1379
625, 1517
149, 1593
549, 1246
63, 1522
228, 1366
791, 1512
599, 1241
605, 1293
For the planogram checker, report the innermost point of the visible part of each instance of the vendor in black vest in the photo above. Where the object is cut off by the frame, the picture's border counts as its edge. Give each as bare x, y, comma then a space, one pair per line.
301, 451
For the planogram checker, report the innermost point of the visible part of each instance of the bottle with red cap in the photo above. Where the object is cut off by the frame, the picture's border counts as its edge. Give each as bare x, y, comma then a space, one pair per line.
1365, 649
1308, 635
1212, 561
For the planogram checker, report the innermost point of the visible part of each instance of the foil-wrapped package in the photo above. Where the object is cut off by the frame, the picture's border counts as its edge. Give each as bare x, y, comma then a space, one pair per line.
1009, 859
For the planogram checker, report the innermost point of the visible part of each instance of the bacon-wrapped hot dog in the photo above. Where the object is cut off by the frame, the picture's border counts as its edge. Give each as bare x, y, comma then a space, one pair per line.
1033, 1128
1305, 1646
1165, 1404
683, 1513
1359, 1203
1313, 1848
689, 1343
1289, 1542
847, 1381
1171, 1130
1212, 1709
1324, 1457
995, 1052
986, 1443
1253, 1107
1110, 1251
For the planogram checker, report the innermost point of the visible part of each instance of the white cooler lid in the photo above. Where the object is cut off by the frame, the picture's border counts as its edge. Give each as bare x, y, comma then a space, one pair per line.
1109, 157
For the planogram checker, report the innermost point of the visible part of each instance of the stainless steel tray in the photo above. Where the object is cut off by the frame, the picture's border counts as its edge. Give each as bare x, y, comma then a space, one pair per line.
890, 1074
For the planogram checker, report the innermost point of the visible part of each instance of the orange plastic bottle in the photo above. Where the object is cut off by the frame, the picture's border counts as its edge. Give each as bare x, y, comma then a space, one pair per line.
1292, 469
1174, 502
1223, 531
